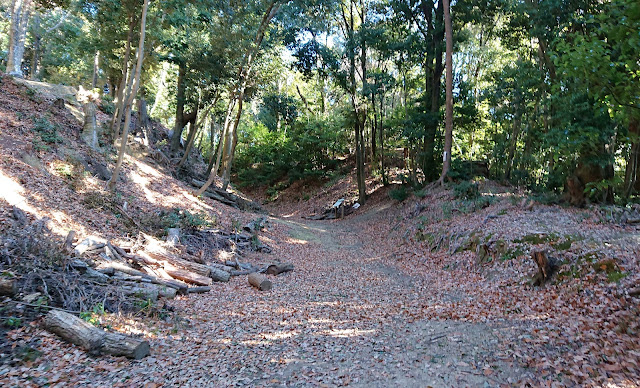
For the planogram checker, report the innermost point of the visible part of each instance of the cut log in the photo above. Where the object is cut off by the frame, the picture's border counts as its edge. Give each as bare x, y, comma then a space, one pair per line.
89, 243
96, 275
259, 281
198, 290
187, 276
117, 344
117, 266
255, 225
278, 268
190, 266
242, 272
75, 330
221, 266
146, 293
8, 287
219, 275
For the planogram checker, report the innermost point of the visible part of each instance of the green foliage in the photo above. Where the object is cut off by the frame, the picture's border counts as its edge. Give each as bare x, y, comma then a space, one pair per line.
13, 322
180, 218
616, 276
466, 190
305, 150
399, 194
93, 316
107, 105
48, 133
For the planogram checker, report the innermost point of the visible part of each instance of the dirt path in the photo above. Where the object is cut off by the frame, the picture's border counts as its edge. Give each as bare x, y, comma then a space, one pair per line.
345, 316
386, 344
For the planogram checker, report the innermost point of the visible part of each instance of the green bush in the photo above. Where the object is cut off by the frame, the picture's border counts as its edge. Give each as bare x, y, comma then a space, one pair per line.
466, 190
48, 132
107, 105
399, 194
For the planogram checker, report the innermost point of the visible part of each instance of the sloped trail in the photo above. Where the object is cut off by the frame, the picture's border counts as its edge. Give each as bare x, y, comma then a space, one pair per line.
345, 316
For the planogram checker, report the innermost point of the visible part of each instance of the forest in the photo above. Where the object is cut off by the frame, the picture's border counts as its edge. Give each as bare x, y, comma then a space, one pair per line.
351, 192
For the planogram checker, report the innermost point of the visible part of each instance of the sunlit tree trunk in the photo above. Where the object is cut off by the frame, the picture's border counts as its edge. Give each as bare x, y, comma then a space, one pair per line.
517, 124
446, 159
96, 69
35, 52
125, 132
20, 13
161, 87
120, 96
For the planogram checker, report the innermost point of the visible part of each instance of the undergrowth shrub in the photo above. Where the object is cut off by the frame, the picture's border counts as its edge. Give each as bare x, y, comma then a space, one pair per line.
466, 190
400, 194
48, 134
158, 223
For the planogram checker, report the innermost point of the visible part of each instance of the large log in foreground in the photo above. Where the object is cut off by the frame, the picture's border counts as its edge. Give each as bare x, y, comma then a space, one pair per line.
92, 339
259, 281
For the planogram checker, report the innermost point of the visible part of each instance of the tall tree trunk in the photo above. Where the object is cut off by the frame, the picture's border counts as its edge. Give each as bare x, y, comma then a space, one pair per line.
161, 87
143, 121
120, 96
20, 13
244, 74
433, 69
632, 171
125, 132
195, 126
37, 38
180, 100
213, 172
517, 124
446, 158
96, 68
381, 134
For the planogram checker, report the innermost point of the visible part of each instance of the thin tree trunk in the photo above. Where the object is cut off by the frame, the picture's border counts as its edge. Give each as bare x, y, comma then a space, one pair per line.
244, 73
381, 134
517, 124
37, 37
221, 143
632, 170
446, 165
161, 87
195, 126
120, 96
96, 68
180, 100
140, 54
